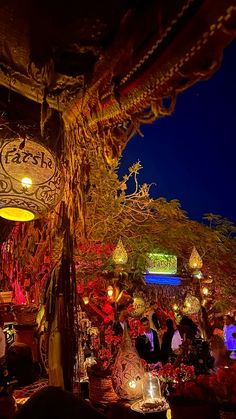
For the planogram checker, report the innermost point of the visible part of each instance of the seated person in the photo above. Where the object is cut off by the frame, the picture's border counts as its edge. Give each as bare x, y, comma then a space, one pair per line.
55, 403
147, 344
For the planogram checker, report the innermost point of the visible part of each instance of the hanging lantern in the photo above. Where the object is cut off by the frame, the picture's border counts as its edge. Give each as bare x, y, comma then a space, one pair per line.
31, 180
120, 255
128, 370
197, 274
191, 305
86, 299
205, 291
139, 306
151, 389
195, 260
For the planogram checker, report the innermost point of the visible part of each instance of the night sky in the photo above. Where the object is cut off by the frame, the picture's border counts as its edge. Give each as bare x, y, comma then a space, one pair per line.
191, 154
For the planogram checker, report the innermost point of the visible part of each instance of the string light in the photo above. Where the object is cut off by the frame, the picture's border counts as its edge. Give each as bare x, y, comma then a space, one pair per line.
86, 299
26, 182
110, 291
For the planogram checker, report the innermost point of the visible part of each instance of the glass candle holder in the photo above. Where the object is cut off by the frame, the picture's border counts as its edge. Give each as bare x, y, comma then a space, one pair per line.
151, 388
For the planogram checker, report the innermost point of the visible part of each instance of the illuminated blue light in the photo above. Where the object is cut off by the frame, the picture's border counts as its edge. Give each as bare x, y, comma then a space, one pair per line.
162, 280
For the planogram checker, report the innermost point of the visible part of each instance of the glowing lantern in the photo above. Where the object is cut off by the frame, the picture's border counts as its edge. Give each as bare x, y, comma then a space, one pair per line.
195, 260
191, 305
31, 180
205, 291
198, 274
120, 255
128, 370
86, 299
139, 306
110, 291
151, 388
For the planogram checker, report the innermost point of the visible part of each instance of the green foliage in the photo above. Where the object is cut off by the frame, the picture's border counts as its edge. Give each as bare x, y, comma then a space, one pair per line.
145, 224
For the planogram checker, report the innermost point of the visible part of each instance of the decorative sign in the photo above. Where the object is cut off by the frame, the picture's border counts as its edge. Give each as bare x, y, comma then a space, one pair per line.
31, 180
161, 263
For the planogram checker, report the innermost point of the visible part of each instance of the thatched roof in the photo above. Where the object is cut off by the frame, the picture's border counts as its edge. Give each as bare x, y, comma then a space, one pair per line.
110, 59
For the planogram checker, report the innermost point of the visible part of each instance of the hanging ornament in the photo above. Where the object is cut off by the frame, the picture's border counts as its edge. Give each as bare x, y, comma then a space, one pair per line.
139, 306
31, 180
120, 255
128, 370
197, 274
195, 260
191, 305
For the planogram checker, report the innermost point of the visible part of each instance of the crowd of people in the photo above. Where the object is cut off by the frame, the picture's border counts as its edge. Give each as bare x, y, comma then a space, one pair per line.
164, 341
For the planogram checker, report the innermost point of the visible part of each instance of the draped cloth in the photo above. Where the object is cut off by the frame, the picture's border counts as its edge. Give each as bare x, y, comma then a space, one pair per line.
54, 349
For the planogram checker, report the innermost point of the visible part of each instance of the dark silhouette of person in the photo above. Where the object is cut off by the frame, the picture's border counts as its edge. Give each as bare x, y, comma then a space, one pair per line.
118, 327
55, 403
166, 350
147, 344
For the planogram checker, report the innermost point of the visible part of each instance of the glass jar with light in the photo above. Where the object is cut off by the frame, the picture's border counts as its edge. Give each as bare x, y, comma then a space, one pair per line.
151, 389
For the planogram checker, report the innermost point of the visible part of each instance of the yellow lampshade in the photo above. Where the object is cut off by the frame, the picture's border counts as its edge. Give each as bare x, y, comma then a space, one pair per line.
31, 179
120, 255
16, 214
195, 260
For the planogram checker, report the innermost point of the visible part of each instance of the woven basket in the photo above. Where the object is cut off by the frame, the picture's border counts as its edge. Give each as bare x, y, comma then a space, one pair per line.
101, 390
25, 314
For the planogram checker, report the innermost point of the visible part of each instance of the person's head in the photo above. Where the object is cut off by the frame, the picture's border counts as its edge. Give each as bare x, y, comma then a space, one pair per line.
145, 324
218, 322
228, 320
55, 403
187, 327
154, 305
169, 324
123, 314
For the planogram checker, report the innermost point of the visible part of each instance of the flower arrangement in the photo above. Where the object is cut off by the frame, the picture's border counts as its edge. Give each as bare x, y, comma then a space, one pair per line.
106, 348
182, 381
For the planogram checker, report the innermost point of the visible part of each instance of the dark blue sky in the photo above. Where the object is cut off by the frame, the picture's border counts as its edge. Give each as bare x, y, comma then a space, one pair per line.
191, 154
